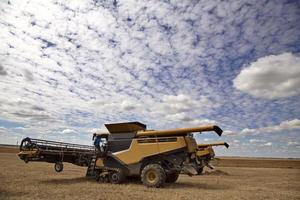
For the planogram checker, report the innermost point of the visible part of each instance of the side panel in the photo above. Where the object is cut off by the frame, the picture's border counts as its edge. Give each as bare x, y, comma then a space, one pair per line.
191, 144
205, 152
141, 148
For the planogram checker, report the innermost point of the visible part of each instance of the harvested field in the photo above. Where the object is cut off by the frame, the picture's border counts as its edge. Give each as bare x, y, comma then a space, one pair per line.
258, 162
40, 181
8, 149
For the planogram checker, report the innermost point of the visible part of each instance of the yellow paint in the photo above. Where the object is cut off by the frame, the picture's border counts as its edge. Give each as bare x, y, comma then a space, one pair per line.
211, 144
27, 153
172, 132
203, 152
191, 144
138, 151
99, 162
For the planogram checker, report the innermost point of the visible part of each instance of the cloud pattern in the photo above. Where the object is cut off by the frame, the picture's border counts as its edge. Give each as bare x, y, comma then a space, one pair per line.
67, 67
271, 77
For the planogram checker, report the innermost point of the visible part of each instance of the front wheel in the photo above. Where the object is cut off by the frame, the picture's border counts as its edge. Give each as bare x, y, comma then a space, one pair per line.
153, 175
59, 166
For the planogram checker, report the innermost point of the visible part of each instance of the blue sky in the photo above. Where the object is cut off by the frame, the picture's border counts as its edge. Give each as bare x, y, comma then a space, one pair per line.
68, 67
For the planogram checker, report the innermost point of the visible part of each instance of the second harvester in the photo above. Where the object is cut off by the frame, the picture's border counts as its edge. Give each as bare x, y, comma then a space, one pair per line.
205, 153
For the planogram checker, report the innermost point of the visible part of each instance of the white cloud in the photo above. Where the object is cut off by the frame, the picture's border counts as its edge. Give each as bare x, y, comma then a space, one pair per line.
183, 108
270, 77
260, 143
293, 143
268, 144
256, 140
229, 133
93, 130
3, 130
182, 103
283, 126
248, 131
128, 106
68, 131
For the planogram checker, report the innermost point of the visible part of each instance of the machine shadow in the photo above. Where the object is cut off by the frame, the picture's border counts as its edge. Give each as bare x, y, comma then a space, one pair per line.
68, 180
137, 181
181, 185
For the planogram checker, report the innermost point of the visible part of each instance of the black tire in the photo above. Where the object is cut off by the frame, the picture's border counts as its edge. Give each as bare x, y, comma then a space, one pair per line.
58, 166
26, 159
153, 175
172, 178
117, 176
103, 179
200, 170
97, 174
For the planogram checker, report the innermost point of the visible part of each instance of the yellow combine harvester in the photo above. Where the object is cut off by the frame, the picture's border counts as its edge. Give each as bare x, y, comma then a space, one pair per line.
155, 156
205, 153
129, 149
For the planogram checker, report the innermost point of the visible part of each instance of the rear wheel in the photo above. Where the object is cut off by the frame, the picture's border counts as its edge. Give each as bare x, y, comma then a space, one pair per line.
172, 178
103, 179
153, 175
58, 166
117, 177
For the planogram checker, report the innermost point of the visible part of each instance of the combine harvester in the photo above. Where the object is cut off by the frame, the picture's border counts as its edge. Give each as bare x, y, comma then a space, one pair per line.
156, 156
205, 153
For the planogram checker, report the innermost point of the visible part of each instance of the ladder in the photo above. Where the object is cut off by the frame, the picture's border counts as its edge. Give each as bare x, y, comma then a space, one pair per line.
91, 172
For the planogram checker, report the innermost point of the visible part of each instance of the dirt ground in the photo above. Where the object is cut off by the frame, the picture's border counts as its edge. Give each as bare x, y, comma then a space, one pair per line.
257, 162
5, 149
40, 181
